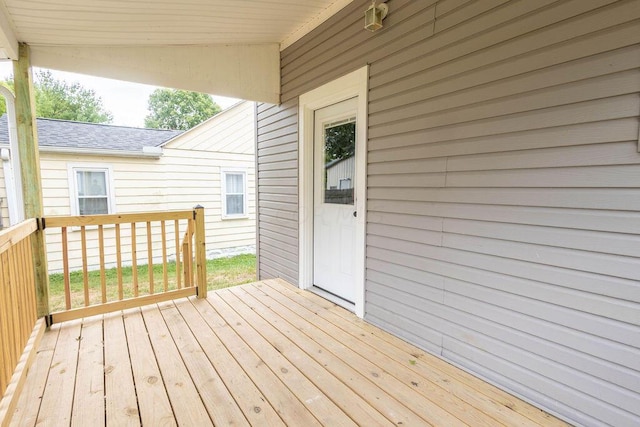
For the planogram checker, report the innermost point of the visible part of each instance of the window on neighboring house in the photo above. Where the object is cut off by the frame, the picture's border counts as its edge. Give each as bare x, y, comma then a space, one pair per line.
91, 190
234, 194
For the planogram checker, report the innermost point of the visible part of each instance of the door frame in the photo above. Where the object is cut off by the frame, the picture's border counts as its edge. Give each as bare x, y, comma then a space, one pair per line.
354, 84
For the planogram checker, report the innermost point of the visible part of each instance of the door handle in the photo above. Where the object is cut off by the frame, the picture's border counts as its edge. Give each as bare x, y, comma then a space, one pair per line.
355, 214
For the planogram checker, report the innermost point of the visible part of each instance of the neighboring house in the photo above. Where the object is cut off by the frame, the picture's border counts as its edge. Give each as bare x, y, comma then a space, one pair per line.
496, 221
90, 169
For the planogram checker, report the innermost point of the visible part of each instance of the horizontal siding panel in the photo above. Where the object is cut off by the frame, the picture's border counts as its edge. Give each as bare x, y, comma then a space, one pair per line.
277, 239
610, 221
626, 268
625, 355
446, 6
421, 222
504, 42
575, 177
621, 199
418, 146
407, 166
425, 237
454, 263
417, 321
471, 321
501, 310
623, 153
608, 62
272, 257
280, 198
622, 83
583, 112
620, 244
408, 180
467, 11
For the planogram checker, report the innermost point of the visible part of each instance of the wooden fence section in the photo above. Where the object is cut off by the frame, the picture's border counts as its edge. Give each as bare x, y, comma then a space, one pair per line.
19, 324
172, 242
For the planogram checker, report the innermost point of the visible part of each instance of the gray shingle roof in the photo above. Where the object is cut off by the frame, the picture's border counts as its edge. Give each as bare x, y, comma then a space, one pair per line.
68, 134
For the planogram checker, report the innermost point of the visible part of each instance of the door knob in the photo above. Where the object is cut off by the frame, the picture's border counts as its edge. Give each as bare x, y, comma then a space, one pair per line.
355, 214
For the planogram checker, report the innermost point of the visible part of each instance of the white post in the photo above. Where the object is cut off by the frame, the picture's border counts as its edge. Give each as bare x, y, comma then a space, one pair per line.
12, 177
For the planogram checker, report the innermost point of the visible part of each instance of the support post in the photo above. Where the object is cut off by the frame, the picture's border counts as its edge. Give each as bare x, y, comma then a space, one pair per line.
30, 164
201, 252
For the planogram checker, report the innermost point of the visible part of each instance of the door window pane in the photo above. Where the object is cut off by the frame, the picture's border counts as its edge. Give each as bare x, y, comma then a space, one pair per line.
339, 157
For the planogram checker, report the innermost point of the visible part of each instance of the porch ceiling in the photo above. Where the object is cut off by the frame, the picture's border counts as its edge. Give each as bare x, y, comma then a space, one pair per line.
224, 47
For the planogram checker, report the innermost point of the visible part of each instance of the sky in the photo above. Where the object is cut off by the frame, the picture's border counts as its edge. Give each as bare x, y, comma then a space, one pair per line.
126, 101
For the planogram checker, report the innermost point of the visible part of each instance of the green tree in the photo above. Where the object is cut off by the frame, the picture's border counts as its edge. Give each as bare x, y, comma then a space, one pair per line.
340, 142
57, 99
179, 109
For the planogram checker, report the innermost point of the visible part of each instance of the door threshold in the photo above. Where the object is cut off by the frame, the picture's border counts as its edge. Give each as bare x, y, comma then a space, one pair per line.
348, 305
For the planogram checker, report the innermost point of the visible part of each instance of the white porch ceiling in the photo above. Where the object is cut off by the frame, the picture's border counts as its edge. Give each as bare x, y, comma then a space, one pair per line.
223, 47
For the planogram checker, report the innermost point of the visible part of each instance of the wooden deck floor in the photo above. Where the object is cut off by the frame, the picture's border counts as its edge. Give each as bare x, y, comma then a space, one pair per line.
260, 354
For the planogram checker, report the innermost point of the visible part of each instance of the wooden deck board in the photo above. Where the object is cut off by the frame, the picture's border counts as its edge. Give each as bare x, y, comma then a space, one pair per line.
26, 412
281, 399
120, 391
153, 402
259, 354
188, 408
88, 399
57, 400
248, 397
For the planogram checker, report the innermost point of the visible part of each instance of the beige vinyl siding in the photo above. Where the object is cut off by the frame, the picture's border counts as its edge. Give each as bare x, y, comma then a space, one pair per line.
231, 134
503, 188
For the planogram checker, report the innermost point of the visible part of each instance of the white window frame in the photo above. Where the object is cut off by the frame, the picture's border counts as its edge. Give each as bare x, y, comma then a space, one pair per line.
73, 184
223, 192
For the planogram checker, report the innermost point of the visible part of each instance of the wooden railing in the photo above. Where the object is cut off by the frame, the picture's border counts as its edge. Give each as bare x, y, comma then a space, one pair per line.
20, 328
131, 243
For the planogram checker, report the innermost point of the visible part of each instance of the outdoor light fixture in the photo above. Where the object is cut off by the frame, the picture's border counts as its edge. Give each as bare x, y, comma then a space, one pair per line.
374, 15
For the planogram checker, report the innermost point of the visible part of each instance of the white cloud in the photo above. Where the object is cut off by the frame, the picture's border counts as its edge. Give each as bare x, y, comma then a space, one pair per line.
126, 101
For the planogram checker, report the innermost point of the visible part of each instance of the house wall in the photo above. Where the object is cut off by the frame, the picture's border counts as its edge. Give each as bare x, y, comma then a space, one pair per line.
503, 188
188, 174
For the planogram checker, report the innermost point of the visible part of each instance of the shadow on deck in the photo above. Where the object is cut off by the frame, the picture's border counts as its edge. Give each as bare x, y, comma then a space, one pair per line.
260, 354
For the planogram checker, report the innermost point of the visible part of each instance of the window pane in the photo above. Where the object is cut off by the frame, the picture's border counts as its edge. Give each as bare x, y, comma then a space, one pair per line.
339, 157
235, 204
91, 183
235, 183
93, 206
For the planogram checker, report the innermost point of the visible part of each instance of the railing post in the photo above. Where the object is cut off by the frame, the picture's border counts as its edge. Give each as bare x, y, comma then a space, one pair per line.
30, 165
201, 252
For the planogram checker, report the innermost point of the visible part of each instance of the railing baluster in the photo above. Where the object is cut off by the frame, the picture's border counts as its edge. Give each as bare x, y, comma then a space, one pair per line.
65, 269
192, 276
150, 257
165, 272
119, 263
178, 274
134, 259
85, 268
103, 277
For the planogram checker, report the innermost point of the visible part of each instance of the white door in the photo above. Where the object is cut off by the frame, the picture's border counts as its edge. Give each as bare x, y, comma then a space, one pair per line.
334, 190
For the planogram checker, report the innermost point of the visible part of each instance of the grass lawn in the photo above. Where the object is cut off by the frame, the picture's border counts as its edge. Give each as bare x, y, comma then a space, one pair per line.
221, 273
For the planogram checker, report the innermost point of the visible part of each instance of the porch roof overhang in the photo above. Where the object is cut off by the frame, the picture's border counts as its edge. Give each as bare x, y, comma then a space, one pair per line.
212, 46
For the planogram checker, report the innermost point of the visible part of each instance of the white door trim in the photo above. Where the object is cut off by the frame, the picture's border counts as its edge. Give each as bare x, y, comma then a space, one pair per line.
354, 84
